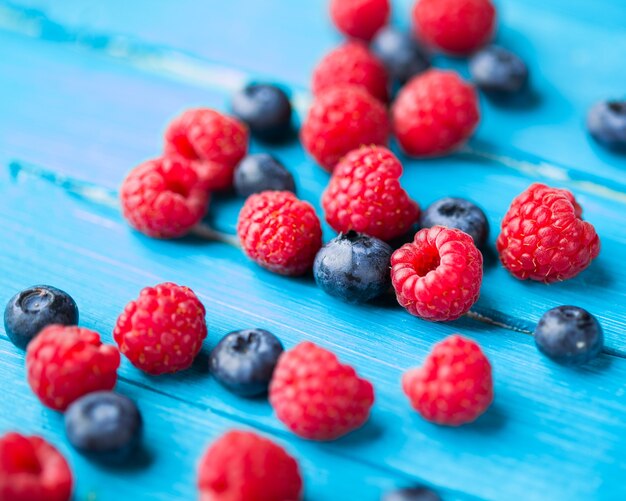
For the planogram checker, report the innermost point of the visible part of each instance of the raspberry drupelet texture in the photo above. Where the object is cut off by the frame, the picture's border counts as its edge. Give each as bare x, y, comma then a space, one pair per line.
457, 27
64, 363
454, 386
279, 232
31, 470
215, 142
435, 113
162, 330
243, 466
316, 396
352, 64
341, 119
437, 276
359, 18
163, 198
365, 195
544, 238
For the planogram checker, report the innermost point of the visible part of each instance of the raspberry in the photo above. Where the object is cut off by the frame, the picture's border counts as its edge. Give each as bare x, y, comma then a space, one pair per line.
162, 330
437, 276
544, 238
317, 397
214, 141
279, 232
454, 386
341, 119
454, 26
359, 18
352, 64
64, 363
243, 466
435, 113
364, 194
162, 198
31, 469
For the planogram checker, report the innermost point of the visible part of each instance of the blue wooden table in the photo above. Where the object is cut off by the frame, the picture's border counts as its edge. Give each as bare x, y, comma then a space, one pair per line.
86, 89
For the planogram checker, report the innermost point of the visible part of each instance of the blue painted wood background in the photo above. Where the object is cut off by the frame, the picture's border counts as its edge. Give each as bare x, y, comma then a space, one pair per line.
85, 91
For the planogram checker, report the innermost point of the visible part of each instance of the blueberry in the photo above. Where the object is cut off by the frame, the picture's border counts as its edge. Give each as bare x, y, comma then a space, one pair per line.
29, 311
606, 122
400, 53
460, 214
353, 267
412, 494
569, 335
266, 109
104, 425
243, 361
260, 172
495, 69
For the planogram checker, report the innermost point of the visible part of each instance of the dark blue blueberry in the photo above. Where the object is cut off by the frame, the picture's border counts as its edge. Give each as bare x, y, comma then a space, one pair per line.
266, 109
412, 494
606, 122
460, 214
353, 267
400, 53
260, 172
495, 69
569, 335
104, 425
243, 361
29, 311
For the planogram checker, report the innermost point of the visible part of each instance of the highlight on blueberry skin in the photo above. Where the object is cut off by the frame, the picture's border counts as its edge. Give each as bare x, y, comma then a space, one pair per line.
495, 69
400, 53
569, 335
412, 494
606, 122
32, 309
458, 213
262, 172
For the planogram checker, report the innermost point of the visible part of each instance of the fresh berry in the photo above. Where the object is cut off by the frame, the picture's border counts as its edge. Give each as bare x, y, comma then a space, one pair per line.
316, 396
454, 386
544, 238
495, 69
32, 470
606, 122
243, 466
162, 330
457, 27
29, 311
243, 361
434, 113
279, 232
64, 363
353, 267
569, 335
163, 198
352, 64
215, 142
359, 18
341, 119
412, 494
262, 172
364, 195
401, 54
460, 214
104, 425
437, 277
265, 109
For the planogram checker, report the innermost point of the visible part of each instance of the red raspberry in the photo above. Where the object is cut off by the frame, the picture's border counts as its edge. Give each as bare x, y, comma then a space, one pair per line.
316, 396
279, 232
162, 330
64, 363
360, 18
364, 194
341, 119
437, 276
243, 466
435, 113
352, 64
31, 469
454, 26
216, 143
544, 238
454, 386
